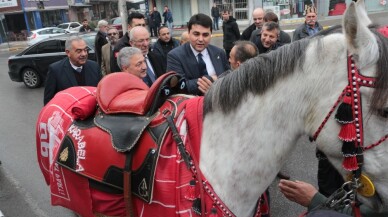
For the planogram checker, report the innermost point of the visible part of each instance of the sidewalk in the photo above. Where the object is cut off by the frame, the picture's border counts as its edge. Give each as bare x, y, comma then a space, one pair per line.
13, 45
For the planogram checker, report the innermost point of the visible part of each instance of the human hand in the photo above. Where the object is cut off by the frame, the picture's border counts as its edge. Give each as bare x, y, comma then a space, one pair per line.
204, 84
297, 191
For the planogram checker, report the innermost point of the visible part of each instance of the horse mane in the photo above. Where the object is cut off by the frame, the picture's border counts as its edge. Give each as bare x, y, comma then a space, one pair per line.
258, 74
380, 93
255, 75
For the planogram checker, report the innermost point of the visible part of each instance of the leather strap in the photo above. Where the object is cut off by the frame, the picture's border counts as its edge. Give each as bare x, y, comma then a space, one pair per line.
177, 138
127, 185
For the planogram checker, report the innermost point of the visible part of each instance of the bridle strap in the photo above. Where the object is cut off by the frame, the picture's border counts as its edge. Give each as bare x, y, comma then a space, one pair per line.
356, 209
316, 134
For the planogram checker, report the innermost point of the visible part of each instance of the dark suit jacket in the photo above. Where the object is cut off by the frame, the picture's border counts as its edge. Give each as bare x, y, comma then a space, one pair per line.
123, 42
157, 65
99, 41
61, 76
246, 35
183, 61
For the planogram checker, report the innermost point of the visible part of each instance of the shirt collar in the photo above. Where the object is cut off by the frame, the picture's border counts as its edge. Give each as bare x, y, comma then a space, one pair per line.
204, 52
74, 67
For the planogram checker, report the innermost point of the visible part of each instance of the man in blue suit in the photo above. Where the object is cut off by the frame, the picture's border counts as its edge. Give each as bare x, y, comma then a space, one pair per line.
198, 61
74, 70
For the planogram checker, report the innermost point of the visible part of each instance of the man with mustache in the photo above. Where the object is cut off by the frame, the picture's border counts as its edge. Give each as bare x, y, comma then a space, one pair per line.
74, 70
132, 60
310, 27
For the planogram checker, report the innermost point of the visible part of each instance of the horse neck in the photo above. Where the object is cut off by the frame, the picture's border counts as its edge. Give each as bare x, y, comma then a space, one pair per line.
241, 152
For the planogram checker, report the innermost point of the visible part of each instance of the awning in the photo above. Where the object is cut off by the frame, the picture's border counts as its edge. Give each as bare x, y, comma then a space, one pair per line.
80, 5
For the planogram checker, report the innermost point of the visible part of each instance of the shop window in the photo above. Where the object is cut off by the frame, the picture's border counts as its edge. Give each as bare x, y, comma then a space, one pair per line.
286, 9
238, 8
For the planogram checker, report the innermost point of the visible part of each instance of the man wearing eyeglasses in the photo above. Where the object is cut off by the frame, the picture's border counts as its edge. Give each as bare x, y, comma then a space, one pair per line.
107, 50
258, 21
140, 38
74, 70
134, 19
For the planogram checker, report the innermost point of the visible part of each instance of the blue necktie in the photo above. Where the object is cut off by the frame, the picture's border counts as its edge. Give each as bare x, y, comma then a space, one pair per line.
202, 65
149, 72
79, 69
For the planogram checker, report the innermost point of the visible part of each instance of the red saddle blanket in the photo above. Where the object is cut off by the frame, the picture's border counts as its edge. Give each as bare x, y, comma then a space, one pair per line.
70, 189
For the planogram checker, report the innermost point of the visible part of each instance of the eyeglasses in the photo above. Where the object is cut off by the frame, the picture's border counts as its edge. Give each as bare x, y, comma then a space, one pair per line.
141, 41
110, 34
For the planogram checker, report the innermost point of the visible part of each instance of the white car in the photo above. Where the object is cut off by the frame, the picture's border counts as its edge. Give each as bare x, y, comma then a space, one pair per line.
40, 34
71, 27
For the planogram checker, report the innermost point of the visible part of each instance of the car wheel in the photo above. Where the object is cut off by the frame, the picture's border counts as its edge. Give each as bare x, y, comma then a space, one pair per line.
31, 78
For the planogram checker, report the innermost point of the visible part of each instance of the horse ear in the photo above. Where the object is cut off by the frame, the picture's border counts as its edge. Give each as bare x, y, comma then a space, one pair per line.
361, 11
361, 42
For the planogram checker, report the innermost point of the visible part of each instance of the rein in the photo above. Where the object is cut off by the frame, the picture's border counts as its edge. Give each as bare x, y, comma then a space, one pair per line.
218, 207
349, 115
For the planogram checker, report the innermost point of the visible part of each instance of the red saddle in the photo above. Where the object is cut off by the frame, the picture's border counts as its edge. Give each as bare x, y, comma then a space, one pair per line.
125, 93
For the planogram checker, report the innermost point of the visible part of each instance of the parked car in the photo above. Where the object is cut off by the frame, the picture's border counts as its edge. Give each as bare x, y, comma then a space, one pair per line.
71, 27
31, 65
117, 23
38, 35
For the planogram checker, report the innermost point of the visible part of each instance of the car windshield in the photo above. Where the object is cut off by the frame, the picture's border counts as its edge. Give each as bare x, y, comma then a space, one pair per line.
58, 30
63, 26
89, 40
117, 20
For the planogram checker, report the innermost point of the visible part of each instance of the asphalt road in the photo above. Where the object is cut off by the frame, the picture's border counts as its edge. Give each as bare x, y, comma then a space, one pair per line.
23, 191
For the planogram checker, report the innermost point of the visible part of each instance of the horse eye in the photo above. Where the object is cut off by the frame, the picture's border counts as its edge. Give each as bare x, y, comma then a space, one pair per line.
383, 112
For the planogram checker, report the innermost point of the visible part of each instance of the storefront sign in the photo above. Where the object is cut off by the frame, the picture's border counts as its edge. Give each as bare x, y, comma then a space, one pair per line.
8, 3
274, 9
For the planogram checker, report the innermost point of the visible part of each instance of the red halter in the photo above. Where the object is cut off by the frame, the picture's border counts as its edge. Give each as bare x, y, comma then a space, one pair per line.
356, 80
353, 98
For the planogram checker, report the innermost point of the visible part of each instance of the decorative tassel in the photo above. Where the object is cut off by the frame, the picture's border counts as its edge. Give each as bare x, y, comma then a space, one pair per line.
264, 209
213, 212
348, 132
348, 149
190, 193
197, 206
344, 112
350, 163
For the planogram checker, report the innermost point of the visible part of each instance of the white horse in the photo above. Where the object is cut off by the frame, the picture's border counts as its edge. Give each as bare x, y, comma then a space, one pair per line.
254, 116
252, 120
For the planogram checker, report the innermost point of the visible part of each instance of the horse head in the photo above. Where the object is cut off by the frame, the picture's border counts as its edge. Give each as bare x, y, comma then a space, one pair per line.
370, 53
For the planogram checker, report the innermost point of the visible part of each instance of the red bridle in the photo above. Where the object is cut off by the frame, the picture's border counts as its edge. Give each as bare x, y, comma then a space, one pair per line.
355, 81
352, 91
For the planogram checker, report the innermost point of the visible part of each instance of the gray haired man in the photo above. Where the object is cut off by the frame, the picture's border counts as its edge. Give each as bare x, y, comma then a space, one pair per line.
132, 60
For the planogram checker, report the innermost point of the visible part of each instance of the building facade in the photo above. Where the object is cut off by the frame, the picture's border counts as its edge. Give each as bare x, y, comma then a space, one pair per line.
22, 16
